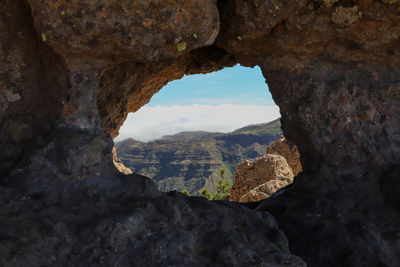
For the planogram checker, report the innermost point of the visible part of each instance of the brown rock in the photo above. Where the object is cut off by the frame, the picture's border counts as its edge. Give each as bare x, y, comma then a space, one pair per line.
329, 3
260, 179
345, 16
264, 191
119, 165
120, 31
332, 71
268, 171
289, 151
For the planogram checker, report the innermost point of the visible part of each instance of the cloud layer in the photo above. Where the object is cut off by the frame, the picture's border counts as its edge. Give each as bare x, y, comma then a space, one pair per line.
150, 123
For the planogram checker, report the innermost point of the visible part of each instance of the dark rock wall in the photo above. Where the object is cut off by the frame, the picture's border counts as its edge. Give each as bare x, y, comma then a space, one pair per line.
333, 69
70, 72
335, 83
345, 116
33, 84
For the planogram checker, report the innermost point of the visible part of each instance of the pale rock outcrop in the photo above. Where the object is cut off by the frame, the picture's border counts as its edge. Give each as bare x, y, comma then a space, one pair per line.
260, 179
264, 191
119, 165
289, 151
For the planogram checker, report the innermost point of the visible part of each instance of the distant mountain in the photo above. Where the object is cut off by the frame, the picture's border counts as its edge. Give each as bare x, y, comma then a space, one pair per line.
193, 160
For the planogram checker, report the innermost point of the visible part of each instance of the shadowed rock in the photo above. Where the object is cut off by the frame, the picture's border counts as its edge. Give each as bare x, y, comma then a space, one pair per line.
70, 71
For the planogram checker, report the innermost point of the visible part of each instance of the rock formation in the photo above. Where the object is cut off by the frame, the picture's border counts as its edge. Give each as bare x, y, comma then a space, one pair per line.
254, 181
289, 151
70, 71
119, 165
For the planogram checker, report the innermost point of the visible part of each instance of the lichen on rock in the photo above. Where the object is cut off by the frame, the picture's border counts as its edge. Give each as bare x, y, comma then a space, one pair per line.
346, 16
117, 31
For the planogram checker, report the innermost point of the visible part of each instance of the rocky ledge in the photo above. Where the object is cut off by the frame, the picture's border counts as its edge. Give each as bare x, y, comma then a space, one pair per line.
123, 220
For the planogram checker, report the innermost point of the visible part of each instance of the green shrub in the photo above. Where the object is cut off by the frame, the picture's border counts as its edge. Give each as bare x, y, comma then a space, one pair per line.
205, 193
222, 172
223, 188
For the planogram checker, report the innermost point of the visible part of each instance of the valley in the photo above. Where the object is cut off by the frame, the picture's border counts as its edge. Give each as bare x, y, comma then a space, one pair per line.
193, 160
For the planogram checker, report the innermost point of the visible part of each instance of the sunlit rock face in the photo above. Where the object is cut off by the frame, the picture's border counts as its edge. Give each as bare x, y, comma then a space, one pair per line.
289, 151
262, 178
71, 70
254, 181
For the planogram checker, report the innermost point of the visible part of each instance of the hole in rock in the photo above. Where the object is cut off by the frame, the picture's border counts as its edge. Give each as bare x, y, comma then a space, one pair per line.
196, 134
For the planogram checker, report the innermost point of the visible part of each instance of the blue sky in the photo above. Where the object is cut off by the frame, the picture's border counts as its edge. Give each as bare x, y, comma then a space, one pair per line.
221, 101
236, 85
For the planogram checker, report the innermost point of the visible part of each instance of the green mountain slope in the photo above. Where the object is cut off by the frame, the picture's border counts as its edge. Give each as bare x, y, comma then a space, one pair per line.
193, 160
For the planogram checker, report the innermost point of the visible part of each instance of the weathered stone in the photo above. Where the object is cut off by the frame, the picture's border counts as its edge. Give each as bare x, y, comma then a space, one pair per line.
336, 84
11, 97
14, 97
345, 16
117, 219
263, 191
251, 175
389, 1
119, 165
289, 151
125, 31
329, 3
260, 179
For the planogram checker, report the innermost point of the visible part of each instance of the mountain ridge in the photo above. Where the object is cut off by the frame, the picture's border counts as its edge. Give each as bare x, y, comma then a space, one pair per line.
243, 129
193, 160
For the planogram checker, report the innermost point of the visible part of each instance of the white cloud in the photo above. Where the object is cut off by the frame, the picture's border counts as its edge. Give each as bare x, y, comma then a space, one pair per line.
150, 123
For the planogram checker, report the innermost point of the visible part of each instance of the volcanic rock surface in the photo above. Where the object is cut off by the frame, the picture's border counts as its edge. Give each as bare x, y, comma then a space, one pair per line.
289, 151
260, 179
254, 181
70, 72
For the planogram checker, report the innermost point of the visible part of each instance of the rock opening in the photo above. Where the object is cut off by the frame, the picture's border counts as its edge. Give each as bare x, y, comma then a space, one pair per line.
198, 126
71, 71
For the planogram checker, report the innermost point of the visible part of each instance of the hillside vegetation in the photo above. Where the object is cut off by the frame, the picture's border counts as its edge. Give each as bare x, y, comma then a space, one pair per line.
193, 161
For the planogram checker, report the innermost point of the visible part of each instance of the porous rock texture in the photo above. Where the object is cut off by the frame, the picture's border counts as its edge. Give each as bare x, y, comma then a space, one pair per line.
254, 181
71, 71
119, 165
289, 151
